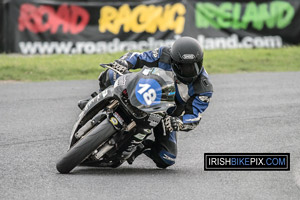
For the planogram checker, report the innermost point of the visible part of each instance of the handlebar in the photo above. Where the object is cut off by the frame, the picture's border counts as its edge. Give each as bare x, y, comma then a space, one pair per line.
111, 66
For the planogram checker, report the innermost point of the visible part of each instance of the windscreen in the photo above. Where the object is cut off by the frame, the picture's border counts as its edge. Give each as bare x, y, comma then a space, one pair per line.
152, 90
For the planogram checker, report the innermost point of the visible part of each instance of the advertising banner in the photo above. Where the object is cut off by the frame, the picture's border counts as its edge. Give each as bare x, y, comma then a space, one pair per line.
37, 27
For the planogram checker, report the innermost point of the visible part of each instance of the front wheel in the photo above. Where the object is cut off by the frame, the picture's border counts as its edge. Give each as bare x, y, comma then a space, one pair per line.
85, 146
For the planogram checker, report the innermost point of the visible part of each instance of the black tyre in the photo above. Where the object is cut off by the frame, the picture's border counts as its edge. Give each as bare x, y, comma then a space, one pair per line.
85, 146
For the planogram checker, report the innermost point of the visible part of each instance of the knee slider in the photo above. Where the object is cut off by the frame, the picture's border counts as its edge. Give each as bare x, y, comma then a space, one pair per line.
167, 159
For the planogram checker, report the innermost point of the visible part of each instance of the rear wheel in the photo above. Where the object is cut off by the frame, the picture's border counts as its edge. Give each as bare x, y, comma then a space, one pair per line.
85, 146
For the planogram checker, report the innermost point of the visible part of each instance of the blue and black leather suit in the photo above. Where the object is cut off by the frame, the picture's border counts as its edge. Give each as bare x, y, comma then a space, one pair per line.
191, 101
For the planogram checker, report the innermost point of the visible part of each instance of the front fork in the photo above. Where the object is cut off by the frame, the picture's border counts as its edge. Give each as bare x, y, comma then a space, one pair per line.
118, 123
116, 120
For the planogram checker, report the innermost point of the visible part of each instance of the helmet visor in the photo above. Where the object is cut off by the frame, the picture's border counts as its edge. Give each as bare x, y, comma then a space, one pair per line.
187, 72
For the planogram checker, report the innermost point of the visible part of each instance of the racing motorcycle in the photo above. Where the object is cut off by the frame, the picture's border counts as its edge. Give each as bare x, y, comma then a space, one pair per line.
120, 116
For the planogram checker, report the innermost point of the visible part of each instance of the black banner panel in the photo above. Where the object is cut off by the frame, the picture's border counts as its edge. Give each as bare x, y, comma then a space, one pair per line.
37, 27
247, 161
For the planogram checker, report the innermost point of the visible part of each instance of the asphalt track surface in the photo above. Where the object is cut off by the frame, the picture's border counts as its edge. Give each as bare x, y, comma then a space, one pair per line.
255, 112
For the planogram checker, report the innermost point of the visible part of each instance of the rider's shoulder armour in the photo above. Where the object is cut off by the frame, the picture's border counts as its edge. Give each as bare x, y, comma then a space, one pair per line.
165, 55
202, 85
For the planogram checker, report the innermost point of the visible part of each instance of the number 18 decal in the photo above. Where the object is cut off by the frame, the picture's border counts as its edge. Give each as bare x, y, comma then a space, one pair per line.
148, 92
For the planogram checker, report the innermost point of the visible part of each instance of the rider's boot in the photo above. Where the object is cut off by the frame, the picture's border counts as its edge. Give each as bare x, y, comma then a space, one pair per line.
144, 147
136, 142
82, 103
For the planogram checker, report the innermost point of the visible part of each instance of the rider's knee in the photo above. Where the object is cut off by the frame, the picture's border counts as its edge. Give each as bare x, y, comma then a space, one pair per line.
107, 78
165, 159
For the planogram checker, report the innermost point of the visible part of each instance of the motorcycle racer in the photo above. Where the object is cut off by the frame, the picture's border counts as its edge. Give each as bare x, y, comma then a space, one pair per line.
193, 93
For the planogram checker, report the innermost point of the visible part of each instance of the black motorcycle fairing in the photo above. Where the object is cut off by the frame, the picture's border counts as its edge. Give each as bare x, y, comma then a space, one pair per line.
95, 105
130, 82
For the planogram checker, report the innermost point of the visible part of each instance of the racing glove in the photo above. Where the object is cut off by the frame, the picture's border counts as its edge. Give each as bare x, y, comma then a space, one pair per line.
173, 123
119, 65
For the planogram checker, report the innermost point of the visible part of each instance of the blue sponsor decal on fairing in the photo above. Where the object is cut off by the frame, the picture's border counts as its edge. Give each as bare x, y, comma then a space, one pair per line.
148, 92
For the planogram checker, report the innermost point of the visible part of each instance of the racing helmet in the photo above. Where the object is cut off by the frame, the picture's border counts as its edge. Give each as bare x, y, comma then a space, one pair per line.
186, 59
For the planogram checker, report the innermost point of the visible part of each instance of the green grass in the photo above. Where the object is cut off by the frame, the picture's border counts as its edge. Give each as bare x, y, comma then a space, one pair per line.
74, 67
252, 60
52, 67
